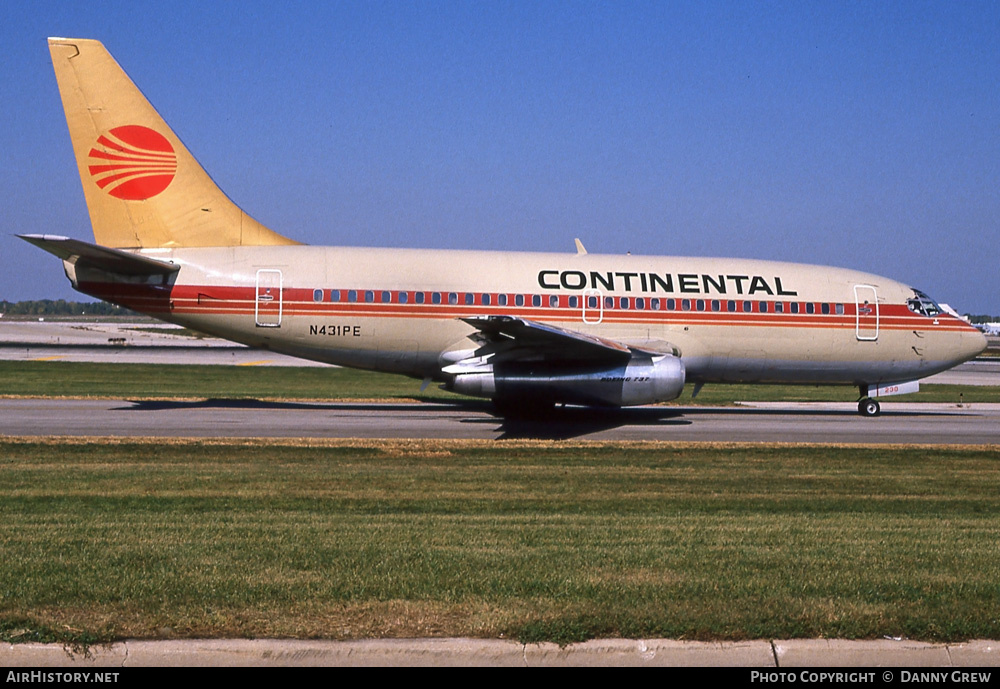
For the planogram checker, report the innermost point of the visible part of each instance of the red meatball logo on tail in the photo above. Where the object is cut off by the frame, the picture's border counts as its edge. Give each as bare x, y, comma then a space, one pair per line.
133, 163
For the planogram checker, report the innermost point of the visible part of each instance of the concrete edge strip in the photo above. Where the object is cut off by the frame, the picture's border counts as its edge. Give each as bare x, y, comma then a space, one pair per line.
490, 652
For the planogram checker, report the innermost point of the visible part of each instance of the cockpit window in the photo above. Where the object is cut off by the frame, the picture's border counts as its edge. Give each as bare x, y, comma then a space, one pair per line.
922, 304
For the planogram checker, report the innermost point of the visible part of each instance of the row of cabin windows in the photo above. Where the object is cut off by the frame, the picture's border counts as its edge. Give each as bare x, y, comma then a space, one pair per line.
453, 298
573, 301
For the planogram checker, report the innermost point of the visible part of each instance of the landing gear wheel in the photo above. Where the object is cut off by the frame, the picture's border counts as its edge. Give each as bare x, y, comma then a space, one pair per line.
869, 407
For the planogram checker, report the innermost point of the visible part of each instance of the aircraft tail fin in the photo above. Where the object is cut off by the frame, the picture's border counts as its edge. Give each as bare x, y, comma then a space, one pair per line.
143, 188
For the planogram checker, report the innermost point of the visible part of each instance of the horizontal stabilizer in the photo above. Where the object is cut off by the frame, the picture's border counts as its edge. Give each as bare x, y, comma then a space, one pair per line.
101, 257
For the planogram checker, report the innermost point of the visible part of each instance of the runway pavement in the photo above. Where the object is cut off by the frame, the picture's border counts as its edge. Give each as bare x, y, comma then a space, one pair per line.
784, 422
127, 343
160, 343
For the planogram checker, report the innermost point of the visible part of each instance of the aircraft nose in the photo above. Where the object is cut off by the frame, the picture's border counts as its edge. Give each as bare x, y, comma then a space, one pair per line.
973, 344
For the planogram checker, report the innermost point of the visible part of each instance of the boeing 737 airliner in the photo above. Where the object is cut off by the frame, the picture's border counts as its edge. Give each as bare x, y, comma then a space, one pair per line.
518, 328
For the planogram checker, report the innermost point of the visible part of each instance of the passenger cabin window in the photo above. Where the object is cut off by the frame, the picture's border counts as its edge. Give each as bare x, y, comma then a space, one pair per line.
369, 296
386, 297
419, 297
317, 295
403, 297
573, 302
352, 295
470, 299
502, 300
654, 303
536, 300
452, 298
335, 295
553, 301
779, 306
436, 297
486, 300
518, 300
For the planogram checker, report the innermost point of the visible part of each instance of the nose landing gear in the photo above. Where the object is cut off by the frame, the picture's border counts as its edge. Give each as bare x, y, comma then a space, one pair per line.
869, 407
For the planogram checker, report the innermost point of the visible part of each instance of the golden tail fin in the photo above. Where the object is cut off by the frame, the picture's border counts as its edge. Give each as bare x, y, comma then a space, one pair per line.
143, 188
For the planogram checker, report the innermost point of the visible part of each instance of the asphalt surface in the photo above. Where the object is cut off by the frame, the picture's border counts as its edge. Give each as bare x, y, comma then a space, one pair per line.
161, 343
818, 423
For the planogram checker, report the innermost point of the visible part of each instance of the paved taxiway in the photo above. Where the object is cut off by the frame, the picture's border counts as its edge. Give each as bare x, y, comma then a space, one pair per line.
821, 422
152, 343
126, 343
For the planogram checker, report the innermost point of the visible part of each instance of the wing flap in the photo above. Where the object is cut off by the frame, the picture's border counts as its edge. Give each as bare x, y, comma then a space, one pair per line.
535, 340
507, 338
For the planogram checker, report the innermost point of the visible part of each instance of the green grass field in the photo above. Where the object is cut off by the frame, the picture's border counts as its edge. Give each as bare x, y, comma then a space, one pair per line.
143, 381
525, 540
530, 541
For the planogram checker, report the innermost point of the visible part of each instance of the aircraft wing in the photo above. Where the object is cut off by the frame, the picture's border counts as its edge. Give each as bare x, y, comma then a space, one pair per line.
110, 260
538, 363
518, 339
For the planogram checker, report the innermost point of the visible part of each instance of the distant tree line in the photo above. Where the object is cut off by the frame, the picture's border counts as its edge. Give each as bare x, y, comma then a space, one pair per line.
61, 307
983, 319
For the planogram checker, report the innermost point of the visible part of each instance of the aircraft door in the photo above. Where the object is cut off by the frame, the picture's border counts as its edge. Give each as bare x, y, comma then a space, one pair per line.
866, 313
268, 302
593, 306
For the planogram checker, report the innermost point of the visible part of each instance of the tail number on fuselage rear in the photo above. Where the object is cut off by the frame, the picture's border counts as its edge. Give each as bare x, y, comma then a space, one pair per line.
336, 330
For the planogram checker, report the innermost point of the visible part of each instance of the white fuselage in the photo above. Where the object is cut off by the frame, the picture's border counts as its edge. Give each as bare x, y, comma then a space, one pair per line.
398, 310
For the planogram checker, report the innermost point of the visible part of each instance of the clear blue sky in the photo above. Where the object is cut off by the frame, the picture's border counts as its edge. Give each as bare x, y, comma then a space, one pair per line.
857, 134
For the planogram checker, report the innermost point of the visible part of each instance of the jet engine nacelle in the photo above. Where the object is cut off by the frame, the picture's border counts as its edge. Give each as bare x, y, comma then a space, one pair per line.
643, 380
